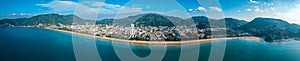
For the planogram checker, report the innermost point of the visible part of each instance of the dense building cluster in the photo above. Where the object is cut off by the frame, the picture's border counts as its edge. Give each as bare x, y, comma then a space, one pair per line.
149, 33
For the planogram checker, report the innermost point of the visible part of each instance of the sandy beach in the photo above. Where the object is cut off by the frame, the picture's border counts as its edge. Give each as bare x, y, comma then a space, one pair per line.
160, 43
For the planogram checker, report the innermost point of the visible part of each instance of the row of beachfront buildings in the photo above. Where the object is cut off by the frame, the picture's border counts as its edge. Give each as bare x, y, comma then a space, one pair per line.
149, 33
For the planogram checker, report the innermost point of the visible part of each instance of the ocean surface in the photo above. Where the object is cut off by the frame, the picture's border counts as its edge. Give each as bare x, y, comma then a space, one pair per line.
37, 44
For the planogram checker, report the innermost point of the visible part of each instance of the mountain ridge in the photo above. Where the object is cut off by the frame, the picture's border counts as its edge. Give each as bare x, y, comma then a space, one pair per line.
269, 28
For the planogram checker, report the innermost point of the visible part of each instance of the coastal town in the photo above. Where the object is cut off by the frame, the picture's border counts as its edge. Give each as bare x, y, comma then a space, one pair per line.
146, 33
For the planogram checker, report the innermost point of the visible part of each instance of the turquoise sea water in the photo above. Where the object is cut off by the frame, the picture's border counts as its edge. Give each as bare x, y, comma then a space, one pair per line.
37, 44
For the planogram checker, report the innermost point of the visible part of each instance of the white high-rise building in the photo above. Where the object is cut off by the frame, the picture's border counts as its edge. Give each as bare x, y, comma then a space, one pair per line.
132, 30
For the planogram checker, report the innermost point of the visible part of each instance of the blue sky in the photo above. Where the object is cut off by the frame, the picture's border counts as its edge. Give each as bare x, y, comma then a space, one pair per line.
288, 10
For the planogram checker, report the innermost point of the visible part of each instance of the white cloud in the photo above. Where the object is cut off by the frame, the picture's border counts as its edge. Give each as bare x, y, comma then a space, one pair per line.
190, 10
201, 9
98, 4
16, 15
248, 9
88, 10
271, 3
266, 10
272, 8
268, 4
293, 14
60, 6
198, 9
288, 11
261, 7
20, 14
253, 1
258, 10
215, 9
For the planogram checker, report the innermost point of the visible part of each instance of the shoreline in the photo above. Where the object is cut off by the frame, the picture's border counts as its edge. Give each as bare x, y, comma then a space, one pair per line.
159, 43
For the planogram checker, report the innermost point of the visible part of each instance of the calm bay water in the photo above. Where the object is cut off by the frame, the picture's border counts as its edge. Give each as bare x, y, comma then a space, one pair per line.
36, 44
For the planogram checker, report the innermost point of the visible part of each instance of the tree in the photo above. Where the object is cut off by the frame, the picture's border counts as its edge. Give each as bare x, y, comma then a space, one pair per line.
269, 38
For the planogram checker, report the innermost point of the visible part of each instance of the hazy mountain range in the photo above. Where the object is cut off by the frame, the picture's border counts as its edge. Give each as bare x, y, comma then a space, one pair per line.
270, 28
